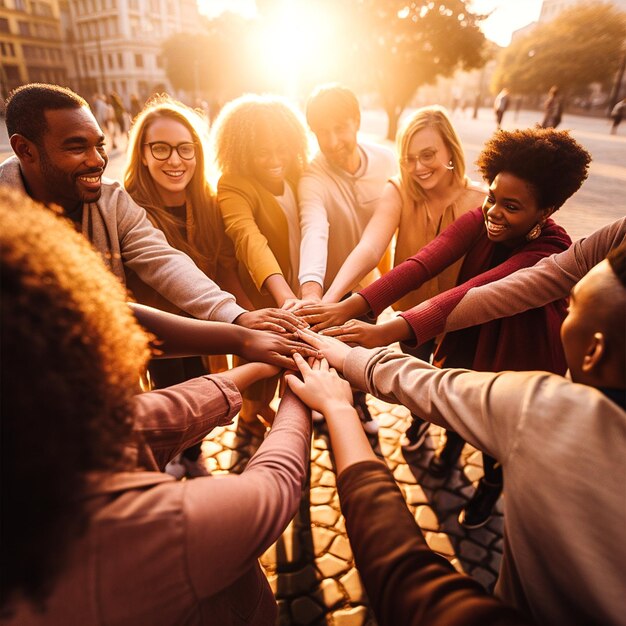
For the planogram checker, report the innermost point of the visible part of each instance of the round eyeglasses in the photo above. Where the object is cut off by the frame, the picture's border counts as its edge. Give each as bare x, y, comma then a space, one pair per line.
426, 158
162, 151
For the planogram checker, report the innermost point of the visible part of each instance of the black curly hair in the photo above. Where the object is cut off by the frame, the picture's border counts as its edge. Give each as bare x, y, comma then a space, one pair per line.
72, 354
26, 107
552, 162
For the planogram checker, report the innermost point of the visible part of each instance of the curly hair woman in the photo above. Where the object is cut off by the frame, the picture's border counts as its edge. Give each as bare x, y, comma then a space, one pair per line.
260, 148
531, 173
91, 531
166, 173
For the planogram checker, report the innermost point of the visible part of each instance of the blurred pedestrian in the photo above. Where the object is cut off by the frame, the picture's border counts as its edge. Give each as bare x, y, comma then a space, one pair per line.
500, 105
553, 107
617, 113
135, 106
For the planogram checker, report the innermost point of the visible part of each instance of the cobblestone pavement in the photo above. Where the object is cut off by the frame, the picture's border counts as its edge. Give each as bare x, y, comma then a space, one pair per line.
311, 567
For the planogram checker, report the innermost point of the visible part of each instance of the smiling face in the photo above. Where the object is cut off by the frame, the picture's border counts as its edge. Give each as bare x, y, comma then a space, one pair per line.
72, 159
511, 210
172, 175
270, 160
337, 139
426, 159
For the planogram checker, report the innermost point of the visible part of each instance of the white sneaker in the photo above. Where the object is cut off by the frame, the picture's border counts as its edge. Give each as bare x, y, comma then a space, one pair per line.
175, 468
371, 426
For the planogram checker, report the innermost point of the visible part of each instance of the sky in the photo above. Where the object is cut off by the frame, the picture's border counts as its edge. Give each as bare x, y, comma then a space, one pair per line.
507, 16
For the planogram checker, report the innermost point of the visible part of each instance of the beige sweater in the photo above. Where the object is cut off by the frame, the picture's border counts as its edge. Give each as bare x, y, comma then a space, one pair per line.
120, 230
561, 446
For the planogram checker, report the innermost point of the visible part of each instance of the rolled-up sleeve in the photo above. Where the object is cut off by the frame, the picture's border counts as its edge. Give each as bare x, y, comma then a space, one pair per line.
172, 419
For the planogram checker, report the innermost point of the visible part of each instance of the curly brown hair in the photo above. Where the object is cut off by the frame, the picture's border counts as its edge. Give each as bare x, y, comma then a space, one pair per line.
235, 131
552, 162
72, 354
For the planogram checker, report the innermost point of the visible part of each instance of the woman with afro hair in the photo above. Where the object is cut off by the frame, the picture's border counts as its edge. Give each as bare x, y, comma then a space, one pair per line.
261, 148
531, 173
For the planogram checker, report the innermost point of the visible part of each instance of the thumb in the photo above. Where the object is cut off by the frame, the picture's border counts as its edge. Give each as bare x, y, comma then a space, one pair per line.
295, 384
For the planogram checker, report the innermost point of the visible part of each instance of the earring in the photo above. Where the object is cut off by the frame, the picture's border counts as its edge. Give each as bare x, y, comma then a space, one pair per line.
450, 166
534, 232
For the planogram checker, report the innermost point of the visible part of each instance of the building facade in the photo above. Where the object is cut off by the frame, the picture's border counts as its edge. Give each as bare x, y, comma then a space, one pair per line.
31, 43
92, 46
115, 45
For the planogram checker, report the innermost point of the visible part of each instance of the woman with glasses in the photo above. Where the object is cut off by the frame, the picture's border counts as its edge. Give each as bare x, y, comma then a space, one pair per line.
166, 174
260, 147
531, 173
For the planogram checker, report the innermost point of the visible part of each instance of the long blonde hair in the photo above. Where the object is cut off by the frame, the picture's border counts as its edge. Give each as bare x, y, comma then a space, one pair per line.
430, 117
203, 246
236, 129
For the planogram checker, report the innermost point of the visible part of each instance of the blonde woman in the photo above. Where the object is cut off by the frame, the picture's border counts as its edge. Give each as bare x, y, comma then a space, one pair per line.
166, 174
260, 148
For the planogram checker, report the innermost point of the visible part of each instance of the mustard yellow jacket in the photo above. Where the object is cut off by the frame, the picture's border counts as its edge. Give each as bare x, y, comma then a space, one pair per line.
258, 228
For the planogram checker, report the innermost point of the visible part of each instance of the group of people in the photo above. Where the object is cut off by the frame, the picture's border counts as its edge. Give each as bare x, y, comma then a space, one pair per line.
276, 266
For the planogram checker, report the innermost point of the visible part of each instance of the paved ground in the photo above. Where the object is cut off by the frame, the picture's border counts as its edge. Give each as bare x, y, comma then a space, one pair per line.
311, 568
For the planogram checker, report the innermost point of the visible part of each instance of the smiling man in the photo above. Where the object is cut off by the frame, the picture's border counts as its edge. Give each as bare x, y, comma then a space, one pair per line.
339, 191
60, 158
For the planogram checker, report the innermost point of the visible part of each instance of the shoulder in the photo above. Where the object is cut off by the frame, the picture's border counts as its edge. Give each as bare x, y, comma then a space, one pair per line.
236, 183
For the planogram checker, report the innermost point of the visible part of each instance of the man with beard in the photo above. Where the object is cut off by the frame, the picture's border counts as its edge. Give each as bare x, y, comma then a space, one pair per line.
60, 158
337, 194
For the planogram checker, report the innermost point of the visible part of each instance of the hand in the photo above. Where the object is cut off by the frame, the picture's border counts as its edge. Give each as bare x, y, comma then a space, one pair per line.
293, 304
332, 349
275, 349
360, 333
321, 388
333, 314
245, 375
274, 320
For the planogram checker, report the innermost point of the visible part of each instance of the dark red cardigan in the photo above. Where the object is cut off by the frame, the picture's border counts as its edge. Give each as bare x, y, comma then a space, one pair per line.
526, 341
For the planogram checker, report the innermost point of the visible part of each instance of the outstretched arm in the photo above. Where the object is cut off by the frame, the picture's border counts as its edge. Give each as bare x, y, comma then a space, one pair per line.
406, 582
182, 336
370, 249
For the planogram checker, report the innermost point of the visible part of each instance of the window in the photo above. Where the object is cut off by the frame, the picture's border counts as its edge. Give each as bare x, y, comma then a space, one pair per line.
12, 72
4, 25
120, 60
19, 5
24, 28
110, 61
138, 60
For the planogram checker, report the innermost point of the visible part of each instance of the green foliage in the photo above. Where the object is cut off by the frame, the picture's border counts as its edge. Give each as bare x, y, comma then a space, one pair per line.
582, 45
399, 46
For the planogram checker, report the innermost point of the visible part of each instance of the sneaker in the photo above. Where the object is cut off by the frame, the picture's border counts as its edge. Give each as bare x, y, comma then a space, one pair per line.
415, 435
446, 458
175, 468
477, 512
370, 425
194, 469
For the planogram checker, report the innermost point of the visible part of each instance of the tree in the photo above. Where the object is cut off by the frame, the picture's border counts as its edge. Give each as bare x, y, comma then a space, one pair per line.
398, 46
581, 46
218, 63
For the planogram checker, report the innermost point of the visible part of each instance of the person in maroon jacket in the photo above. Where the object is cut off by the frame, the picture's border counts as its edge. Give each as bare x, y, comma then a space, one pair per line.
531, 173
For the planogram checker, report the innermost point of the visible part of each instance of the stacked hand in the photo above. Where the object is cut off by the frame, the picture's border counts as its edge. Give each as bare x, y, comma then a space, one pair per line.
360, 333
321, 388
274, 320
324, 315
